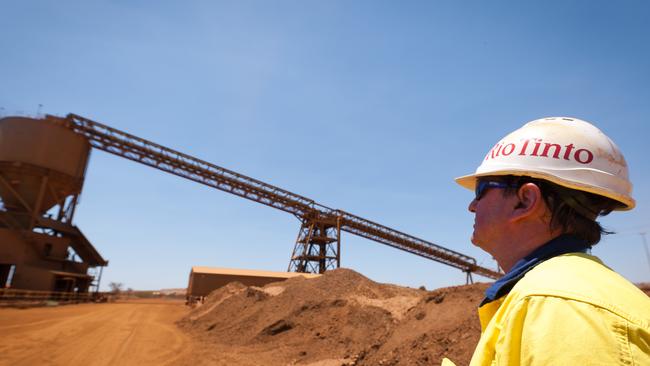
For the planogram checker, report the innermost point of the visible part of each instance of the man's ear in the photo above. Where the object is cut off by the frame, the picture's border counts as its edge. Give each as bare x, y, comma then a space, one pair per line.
530, 202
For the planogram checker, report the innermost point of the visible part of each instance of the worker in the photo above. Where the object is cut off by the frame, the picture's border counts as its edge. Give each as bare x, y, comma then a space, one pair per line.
538, 194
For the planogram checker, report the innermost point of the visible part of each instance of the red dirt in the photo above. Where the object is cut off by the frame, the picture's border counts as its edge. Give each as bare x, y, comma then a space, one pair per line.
125, 333
340, 318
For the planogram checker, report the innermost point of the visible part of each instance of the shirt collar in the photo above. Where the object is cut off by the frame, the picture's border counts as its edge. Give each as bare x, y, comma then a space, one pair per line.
561, 245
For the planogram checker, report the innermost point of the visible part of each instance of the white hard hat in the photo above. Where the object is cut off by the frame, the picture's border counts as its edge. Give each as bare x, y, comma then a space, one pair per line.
565, 151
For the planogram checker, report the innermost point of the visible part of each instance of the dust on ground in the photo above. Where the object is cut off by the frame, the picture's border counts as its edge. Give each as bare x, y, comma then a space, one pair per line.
340, 318
140, 332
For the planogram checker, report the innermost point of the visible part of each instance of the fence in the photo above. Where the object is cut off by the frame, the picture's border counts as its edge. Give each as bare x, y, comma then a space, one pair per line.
15, 295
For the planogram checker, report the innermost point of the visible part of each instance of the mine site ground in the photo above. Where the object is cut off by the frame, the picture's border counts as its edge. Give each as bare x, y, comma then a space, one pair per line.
339, 319
138, 332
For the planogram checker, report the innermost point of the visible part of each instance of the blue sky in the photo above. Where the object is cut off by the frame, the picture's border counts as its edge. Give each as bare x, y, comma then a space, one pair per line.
372, 107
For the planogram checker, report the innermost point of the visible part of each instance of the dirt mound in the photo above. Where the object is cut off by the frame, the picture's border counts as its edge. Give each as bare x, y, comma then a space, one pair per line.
340, 318
443, 324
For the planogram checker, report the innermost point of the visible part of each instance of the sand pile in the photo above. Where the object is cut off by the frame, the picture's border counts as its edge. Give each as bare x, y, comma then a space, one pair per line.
340, 318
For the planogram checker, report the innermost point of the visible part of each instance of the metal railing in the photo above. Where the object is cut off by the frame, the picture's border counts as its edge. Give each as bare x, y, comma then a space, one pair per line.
16, 295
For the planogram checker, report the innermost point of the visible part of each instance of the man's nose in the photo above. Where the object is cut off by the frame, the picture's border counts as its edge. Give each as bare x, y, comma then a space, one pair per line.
472, 206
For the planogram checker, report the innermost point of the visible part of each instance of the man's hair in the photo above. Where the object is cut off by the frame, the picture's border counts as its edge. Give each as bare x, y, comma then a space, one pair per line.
572, 211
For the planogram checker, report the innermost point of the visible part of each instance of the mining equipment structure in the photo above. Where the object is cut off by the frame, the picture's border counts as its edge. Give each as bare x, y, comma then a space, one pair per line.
42, 169
316, 250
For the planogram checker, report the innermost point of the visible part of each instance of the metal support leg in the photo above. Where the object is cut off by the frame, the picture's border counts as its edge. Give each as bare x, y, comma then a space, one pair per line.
469, 280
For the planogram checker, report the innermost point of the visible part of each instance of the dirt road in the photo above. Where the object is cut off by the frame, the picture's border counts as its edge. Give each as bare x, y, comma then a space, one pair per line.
125, 333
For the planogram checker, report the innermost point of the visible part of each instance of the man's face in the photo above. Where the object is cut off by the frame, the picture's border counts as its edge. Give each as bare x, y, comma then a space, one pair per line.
491, 213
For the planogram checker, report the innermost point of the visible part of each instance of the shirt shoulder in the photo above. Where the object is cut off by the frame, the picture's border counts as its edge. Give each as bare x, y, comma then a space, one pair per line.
582, 277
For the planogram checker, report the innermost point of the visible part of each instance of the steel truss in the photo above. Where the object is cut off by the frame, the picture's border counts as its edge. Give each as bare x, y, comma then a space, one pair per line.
318, 245
317, 248
35, 226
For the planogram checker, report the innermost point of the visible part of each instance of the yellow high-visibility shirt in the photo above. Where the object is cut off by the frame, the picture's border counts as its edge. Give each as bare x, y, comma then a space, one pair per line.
568, 310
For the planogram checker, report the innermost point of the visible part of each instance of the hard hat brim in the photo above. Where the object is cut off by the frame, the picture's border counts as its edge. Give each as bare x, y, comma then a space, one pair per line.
627, 203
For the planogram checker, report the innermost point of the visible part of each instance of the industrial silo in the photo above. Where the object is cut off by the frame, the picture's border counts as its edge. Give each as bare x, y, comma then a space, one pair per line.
42, 168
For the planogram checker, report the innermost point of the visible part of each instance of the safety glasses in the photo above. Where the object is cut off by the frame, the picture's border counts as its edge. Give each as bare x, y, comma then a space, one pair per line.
483, 185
